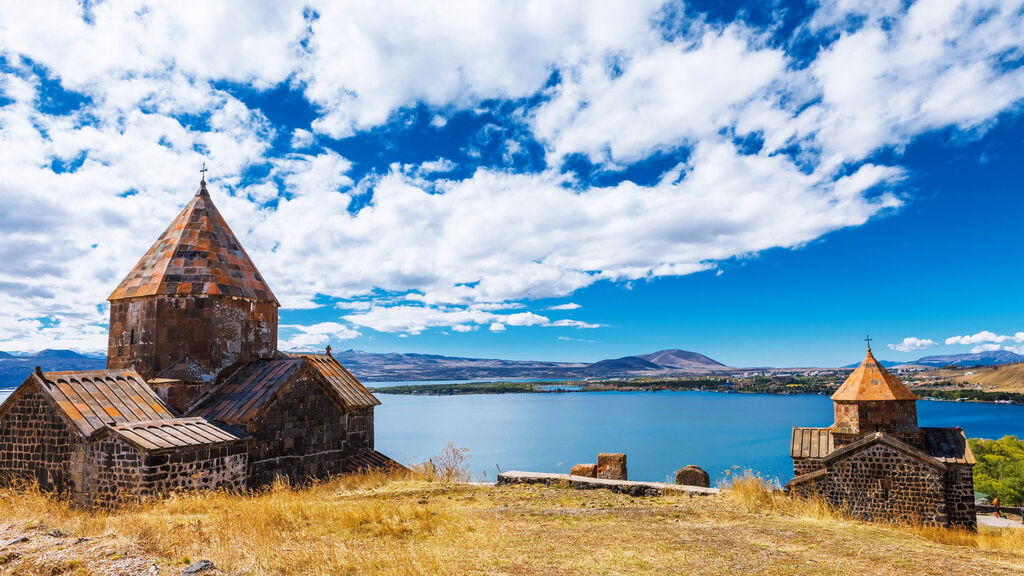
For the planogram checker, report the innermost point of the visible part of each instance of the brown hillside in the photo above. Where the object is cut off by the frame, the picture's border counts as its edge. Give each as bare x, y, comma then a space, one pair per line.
1001, 378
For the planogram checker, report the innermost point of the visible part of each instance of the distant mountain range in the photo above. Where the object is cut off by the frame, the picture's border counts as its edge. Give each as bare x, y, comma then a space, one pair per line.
14, 368
375, 367
963, 360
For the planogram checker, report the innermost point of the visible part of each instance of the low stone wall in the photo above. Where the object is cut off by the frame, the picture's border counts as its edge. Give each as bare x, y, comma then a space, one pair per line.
806, 465
632, 488
960, 505
36, 444
305, 435
120, 472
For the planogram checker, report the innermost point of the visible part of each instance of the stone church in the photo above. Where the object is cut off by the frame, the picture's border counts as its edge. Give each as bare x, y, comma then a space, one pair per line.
195, 394
877, 464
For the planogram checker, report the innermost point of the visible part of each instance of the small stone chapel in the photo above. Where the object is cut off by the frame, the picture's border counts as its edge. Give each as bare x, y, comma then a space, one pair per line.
877, 464
195, 394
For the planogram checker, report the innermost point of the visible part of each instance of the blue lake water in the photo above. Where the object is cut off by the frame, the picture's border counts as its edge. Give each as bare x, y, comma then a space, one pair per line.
659, 431
391, 383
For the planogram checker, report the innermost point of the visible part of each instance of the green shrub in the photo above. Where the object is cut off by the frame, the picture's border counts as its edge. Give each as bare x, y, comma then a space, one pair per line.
1000, 469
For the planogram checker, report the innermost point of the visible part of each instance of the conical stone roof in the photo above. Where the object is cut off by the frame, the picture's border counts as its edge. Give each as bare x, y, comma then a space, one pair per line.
198, 254
870, 382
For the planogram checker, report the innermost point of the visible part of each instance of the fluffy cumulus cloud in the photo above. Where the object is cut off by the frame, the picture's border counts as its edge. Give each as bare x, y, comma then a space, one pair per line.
984, 337
106, 108
911, 344
298, 336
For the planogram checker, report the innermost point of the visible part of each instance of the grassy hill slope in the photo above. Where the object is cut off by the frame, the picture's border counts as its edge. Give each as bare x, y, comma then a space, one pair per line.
1001, 378
373, 524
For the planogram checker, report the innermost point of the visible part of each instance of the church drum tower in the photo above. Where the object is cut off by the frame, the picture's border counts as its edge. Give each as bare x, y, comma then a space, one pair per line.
194, 305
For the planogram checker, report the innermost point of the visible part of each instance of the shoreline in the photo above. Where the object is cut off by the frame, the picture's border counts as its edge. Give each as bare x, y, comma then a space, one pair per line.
689, 385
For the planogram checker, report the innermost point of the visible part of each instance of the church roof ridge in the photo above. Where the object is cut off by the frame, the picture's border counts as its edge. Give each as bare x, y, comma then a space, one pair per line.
197, 254
871, 381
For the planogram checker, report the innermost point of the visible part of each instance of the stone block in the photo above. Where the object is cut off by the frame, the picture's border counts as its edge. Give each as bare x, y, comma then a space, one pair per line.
693, 476
611, 466
586, 470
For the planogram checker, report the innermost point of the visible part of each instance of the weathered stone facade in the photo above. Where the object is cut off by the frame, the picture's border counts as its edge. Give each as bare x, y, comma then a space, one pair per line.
876, 463
120, 472
195, 395
306, 434
36, 443
151, 333
881, 482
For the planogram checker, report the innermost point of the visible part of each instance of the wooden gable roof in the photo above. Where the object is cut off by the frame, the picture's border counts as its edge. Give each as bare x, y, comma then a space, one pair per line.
157, 435
93, 399
348, 386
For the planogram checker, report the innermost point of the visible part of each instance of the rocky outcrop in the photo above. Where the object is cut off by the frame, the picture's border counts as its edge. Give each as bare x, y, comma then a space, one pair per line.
585, 470
611, 466
693, 476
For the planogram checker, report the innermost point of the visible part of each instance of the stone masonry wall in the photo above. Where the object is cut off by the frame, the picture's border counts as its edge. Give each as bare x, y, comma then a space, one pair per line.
37, 444
306, 434
806, 465
880, 483
154, 332
865, 417
121, 472
115, 473
960, 497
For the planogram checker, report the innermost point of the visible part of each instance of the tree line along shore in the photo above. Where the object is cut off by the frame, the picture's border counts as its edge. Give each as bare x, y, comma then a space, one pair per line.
756, 385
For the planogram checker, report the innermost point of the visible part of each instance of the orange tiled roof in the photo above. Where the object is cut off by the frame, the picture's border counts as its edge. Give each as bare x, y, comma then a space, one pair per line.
95, 398
871, 381
197, 254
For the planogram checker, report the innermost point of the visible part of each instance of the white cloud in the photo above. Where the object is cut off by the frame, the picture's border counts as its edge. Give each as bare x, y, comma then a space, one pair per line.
986, 348
439, 166
911, 344
984, 337
668, 95
452, 52
497, 327
465, 250
566, 306
302, 139
318, 334
575, 324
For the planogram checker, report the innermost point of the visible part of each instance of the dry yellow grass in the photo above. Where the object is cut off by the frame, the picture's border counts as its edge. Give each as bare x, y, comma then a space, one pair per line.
417, 523
1001, 378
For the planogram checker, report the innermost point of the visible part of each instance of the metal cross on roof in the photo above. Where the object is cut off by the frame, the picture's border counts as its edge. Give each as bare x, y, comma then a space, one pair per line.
868, 340
203, 171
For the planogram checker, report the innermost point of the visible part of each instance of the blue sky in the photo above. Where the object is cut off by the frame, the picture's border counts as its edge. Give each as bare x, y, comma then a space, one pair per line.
764, 183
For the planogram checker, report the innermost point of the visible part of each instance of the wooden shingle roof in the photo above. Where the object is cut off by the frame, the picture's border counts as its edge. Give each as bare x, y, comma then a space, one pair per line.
870, 382
248, 390
242, 396
197, 254
948, 445
347, 385
155, 435
92, 399
811, 443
